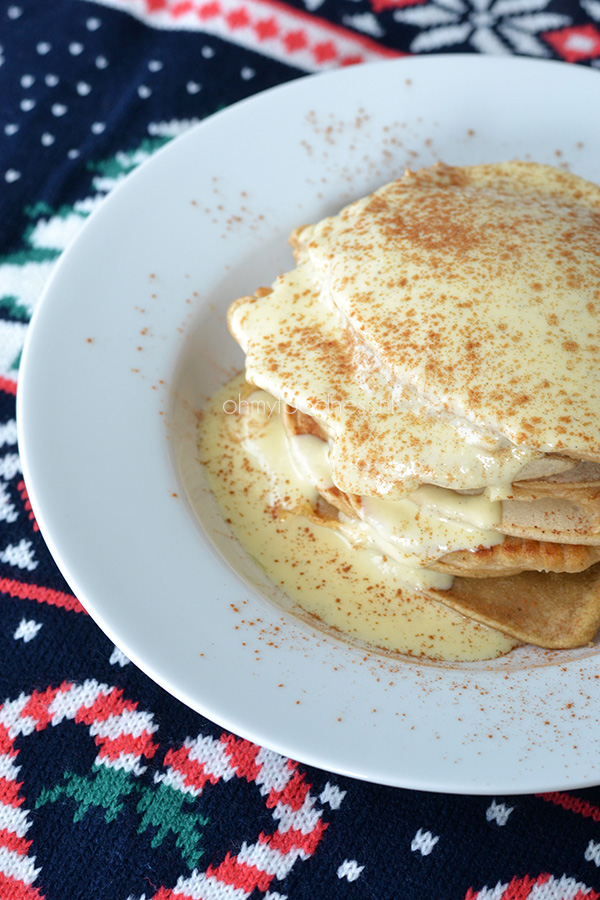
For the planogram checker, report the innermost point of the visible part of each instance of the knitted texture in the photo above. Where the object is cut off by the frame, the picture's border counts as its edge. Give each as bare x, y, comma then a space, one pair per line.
109, 788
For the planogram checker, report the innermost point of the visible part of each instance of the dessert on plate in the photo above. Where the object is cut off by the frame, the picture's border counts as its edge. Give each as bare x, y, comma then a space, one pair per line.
435, 354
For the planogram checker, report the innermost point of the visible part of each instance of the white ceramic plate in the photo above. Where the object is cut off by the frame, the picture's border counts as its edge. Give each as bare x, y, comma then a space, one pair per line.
130, 338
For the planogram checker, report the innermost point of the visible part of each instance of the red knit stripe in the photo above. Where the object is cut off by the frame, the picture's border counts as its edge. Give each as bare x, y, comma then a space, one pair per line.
142, 745
293, 794
6, 742
27, 504
11, 889
111, 704
242, 754
38, 703
9, 385
286, 841
520, 888
13, 842
24, 591
240, 875
277, 23
275, 6
208, 10
574, 804
194, 773
237, 18
168, 894
9, 793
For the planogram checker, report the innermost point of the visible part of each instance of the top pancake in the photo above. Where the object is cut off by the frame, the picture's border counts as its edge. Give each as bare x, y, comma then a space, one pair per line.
480, 288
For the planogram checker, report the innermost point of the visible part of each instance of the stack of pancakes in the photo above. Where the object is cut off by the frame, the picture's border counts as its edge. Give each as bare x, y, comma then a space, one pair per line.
438, 349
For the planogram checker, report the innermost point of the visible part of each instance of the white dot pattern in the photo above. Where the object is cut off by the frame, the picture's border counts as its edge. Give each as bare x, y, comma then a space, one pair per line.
62, 92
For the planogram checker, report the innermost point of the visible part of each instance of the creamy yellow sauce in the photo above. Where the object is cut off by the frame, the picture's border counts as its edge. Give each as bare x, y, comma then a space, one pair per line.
342, 580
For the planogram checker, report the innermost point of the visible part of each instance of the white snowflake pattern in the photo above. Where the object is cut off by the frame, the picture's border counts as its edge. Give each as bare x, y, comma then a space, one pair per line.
332, 795
27, 630
424, 842
8, 512
592, 8
350, 870
118, 658
592, 853
365, 22
498, 812
20, 555
489, 26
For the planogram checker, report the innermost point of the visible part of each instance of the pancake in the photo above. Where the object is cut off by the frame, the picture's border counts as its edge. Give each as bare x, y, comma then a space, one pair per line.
549, 610
512, 556
436, 349
516, 555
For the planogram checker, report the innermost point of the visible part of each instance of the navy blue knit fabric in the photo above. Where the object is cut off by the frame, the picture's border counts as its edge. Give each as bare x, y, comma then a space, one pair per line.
87, 90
